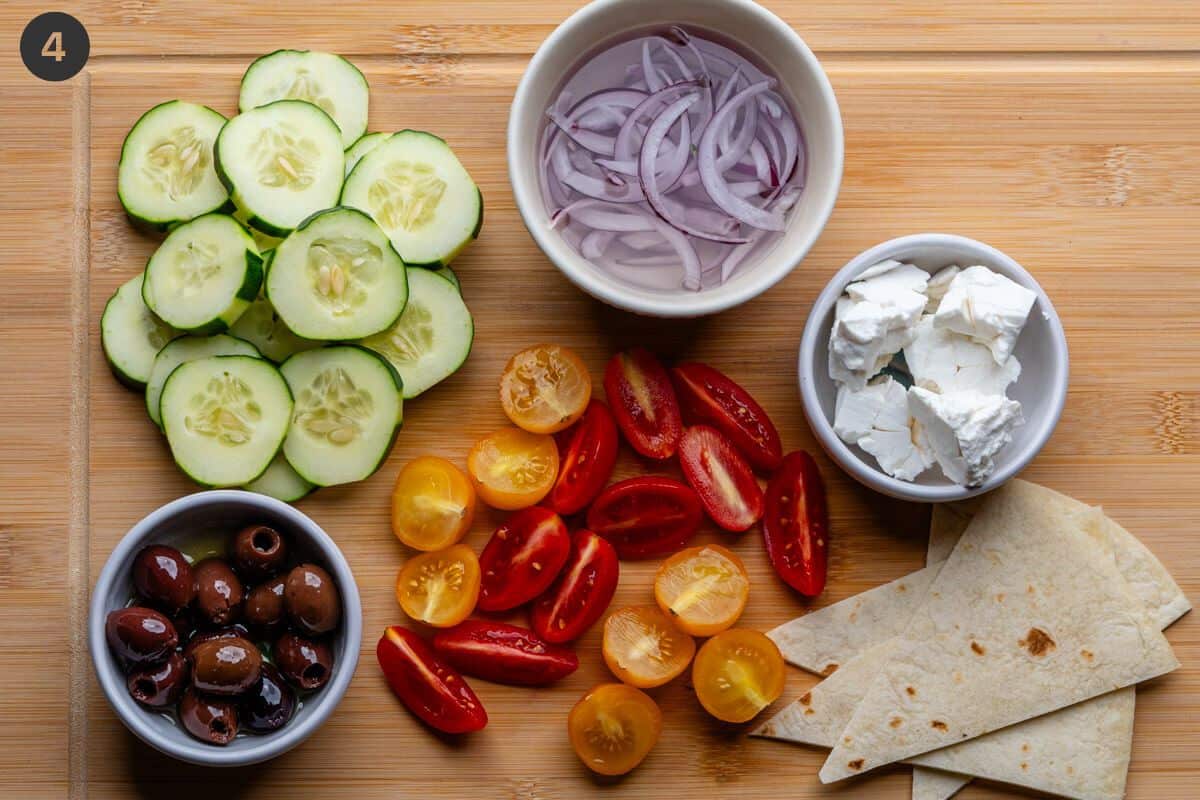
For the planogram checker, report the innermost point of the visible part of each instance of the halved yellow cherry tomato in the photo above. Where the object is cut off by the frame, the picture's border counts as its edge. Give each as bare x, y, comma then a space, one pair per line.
702, 589
613, 728
737, 674
643, 647
512, 468
433, 504
441, 588
545, 388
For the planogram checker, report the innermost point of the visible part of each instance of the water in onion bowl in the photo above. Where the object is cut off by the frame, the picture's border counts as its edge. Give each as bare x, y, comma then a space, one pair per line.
671, 160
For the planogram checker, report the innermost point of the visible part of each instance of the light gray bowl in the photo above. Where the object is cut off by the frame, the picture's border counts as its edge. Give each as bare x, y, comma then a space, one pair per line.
213, 513
1041, 389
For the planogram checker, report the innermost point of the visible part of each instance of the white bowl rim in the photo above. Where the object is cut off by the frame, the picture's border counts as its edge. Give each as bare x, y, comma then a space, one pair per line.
712, 301
872, 476
137, 719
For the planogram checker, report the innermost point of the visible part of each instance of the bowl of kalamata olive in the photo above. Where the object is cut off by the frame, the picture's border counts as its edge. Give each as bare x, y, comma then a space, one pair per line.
225, 628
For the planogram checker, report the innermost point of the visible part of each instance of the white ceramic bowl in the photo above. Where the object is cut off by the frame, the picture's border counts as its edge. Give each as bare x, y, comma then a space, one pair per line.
1041, 349
215, 512
780, 51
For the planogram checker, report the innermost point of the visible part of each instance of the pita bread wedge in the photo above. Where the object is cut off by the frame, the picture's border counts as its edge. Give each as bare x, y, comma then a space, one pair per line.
1027, 616
933, 784
1079, 752
822, 641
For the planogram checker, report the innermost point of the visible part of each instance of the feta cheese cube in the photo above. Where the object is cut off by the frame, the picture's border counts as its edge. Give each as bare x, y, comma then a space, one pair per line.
876, 418
965, 430
935, 290
874, 320
988, 307
943, 361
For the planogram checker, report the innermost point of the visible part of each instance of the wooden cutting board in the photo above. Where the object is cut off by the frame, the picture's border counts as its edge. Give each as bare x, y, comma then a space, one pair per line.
1064, 133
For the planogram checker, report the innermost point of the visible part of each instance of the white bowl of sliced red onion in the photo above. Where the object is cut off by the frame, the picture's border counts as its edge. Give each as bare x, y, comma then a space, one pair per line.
675, 158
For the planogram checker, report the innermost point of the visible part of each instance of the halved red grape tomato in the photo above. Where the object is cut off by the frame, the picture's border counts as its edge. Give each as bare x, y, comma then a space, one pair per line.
503, 653
522, 558
646, 517
796, 524
643, 403
721, 477
586, 460
431, 688
582, 592
709, 396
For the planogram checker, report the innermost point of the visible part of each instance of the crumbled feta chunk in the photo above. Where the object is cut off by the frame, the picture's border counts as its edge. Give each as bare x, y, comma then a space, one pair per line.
943, 361
935, 290
965, 430
874, 320
988, 307
876, 418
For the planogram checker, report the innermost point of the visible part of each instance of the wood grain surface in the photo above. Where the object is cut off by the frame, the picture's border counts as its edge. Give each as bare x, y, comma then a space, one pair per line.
1064, 133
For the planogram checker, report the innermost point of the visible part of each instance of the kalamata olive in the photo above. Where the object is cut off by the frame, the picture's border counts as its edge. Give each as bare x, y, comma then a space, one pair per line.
307, 664
263, 610
219, 593
232, 632
159, 685
259, 551
140, 635
311, 599
270, 704
225, 667
209, 719
163, 576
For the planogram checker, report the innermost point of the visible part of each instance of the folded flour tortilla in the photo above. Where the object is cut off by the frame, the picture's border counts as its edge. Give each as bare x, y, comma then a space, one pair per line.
1148, 579
1026, 603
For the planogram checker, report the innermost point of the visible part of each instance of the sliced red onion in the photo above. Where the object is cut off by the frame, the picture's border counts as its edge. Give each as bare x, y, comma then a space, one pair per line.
590, 140
649, 74
650, 261
762, 163
624, 147
642, 240
735, 146
589, 186
714, 182
595, 243
604, 216
783, 204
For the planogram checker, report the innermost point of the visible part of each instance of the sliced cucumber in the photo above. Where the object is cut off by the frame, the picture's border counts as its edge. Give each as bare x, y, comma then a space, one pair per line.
265, 241
336, 277
181, 351
281, 482
132, 335
420, 194
323, 79
449, 275
225, 418
203, 275
365, 144
282, 163
348, 409
433, 336
166, 174
263, 328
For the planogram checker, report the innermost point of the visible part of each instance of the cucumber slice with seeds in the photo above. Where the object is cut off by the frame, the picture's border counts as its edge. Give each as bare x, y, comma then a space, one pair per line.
225, 418
420, 194
204, 275
282, 163
433, 336
281, 482
262, 327
328, 81
181, 351
336, 277
365, 144
166, 173
132, 335
348, 410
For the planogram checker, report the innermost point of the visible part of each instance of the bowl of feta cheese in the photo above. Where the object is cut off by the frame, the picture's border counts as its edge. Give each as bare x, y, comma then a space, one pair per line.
933, 368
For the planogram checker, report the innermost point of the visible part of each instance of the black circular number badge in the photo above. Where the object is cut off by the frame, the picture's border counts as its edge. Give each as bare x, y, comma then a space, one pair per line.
55, 46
